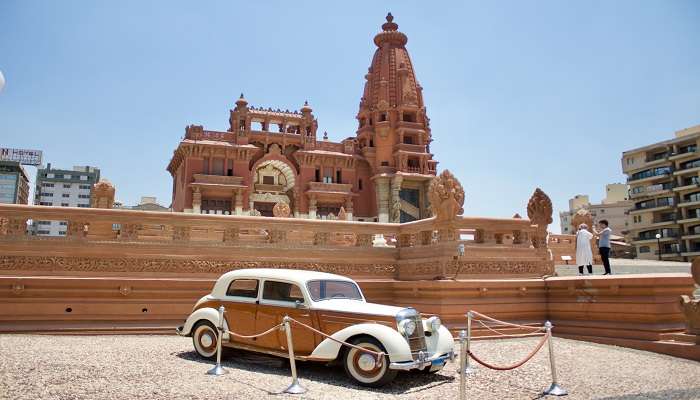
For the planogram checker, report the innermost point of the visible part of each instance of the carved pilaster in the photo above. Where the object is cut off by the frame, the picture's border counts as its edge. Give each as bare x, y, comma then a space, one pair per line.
363, 240
129, 231
479, 236
321, 238
406, 240
277, 236
13, 227
312, 207
426, 238
77, 229
231, 235
517, 237
181, 233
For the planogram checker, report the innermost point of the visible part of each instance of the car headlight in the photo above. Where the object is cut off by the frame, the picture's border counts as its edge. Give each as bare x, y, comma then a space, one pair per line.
434, 323
407, 327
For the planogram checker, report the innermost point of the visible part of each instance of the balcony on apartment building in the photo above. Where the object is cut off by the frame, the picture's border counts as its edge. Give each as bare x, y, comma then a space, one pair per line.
671, 250
689, 200
687, 183
651, 190
649, 175
688, 167
692, 215
684, 151
667, 235
692, 232
652, 205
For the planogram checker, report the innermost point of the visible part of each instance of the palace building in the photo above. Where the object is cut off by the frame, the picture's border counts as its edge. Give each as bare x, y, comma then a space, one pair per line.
267, 156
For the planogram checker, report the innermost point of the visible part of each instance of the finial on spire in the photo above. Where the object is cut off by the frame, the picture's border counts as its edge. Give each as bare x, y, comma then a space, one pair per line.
241, 102
241, 95
325, 135
390, 25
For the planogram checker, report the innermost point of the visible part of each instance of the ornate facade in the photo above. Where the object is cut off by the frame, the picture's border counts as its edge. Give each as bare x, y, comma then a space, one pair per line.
267, 156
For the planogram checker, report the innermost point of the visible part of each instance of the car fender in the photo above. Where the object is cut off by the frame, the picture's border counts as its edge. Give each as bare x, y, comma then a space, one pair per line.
440, 342
205, 313
394, 343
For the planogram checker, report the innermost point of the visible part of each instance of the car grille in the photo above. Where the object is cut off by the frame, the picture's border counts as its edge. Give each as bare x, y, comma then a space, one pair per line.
417, 340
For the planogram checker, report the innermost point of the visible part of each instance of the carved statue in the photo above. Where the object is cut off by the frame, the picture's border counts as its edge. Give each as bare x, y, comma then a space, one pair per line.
102, 195
691, 306
539, 210
396, 210
582, 216
342, 215
446, 196
281, 210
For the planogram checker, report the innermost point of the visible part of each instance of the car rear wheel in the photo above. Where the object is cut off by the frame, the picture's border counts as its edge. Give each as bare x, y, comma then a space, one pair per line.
365, 368
204, 338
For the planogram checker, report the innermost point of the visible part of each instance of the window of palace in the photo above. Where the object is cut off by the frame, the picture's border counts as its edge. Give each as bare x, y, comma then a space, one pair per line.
268, 179
409, 117
217, 166
408, 139
338, 177
318, 175
205, 165
382, 117
359, 184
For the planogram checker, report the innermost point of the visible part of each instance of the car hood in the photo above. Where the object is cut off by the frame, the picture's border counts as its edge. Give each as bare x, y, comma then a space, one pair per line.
357, 307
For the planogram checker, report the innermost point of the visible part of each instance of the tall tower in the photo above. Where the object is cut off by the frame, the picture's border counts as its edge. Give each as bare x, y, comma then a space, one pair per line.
394, 130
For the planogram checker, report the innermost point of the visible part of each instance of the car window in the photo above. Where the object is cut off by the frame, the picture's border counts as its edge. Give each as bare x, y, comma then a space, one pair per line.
243, 288
282, 291
329, 289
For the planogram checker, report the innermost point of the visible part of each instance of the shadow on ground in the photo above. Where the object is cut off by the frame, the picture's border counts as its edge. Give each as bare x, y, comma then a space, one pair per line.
405, 382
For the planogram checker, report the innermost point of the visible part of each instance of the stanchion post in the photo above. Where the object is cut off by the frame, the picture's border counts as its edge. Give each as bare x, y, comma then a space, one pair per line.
554, 389
218, 369
468, 369
462, 364
295, 387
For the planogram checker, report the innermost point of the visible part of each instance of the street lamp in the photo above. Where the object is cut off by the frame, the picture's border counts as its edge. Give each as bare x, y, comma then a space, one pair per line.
658, 244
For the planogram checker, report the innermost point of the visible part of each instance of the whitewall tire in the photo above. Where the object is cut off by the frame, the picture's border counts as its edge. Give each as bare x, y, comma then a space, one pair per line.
204, 338
365, 368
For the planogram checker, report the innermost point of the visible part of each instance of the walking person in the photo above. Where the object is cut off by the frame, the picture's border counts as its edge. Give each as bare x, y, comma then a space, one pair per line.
604, 244
584, 254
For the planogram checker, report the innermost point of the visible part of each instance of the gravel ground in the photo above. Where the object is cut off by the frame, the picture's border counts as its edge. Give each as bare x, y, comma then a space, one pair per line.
165, 367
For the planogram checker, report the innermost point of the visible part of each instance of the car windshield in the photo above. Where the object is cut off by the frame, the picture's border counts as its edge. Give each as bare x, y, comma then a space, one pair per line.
329, 289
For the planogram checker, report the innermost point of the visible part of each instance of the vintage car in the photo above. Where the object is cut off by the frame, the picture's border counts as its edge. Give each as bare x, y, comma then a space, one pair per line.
258, 299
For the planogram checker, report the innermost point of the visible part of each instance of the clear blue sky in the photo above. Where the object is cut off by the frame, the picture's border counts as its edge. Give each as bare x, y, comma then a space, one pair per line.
520, 94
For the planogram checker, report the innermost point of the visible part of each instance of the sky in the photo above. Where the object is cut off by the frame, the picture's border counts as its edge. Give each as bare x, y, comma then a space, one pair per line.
521, 94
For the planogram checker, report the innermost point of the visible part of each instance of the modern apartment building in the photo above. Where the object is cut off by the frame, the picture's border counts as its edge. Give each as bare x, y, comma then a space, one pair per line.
613, 208
14, 183
664, 181
62, 188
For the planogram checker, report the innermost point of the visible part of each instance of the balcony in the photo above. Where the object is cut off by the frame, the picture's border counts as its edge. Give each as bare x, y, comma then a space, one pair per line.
649, 177
687, 152
322, 187
651, 190
218, 180
411, 148
652, 206
646, 239
267, 187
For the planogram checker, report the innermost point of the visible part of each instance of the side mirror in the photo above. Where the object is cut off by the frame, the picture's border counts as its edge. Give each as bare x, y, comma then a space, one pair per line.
300, 304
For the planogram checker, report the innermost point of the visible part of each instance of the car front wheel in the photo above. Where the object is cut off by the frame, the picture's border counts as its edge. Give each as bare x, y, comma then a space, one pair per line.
204, 338
365, 368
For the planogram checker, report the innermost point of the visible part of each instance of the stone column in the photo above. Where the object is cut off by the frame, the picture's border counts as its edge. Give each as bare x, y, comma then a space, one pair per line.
348, 208
382, 193
239, 202
196, 200
395, 204
312, 207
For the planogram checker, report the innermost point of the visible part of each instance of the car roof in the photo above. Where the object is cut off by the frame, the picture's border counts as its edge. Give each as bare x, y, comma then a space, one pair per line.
298, 276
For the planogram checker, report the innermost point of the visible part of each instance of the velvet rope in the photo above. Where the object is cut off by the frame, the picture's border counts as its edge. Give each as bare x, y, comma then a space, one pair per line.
514, 366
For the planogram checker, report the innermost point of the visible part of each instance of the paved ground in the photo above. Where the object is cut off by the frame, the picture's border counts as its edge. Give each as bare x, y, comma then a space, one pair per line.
165, 367
625, 266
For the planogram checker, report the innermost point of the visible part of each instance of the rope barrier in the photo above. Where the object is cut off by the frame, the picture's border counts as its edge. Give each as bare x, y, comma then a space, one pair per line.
505, 335
278, 326
379, 355
486, 317
514, 366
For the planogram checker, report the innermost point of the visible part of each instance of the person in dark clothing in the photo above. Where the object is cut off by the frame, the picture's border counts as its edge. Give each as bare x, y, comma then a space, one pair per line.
604, 244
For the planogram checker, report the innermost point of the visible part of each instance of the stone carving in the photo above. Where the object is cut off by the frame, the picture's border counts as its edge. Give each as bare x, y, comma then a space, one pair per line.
231, 235
255, 213
582, 216
13, 227
539, 210
125, 264
435, 268
129, 231
281, 210
277, 236
77, 229
342, 215
181, 233
446, 196
321, 238
690, 305
102, 195
363, 240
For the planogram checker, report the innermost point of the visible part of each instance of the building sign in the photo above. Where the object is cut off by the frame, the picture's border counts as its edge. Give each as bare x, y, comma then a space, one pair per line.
23, 156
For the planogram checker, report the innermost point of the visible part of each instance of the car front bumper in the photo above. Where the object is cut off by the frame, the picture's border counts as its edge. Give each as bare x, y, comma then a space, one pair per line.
422, 362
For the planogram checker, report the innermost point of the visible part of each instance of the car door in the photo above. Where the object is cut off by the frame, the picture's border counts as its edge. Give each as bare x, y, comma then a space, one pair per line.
241, 307
279, 298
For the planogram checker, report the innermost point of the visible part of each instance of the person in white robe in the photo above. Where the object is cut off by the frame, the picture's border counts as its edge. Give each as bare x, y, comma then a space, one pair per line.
584, 254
